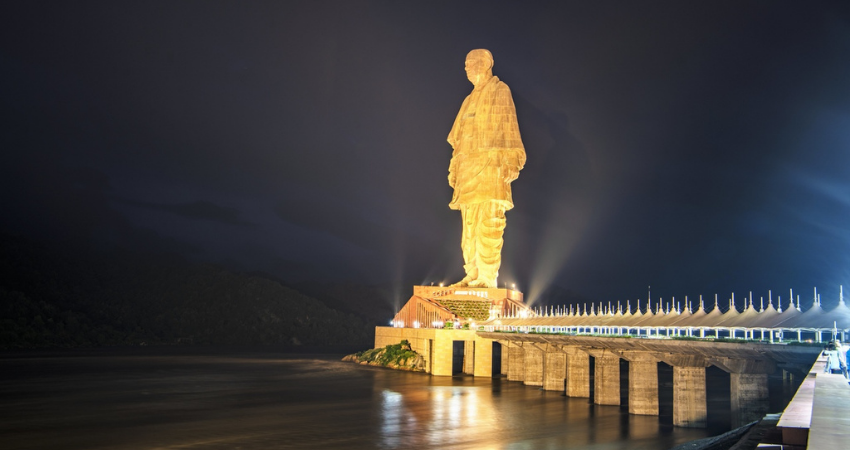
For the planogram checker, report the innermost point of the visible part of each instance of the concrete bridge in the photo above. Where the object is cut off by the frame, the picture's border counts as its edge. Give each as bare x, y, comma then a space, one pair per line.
616, 370
627, 370
617, 355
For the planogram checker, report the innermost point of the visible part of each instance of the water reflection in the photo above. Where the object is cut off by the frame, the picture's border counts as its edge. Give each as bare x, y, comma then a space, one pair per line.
420, 411
228, 401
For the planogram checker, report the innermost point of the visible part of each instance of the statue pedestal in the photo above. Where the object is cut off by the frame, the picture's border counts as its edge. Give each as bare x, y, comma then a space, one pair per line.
467, 293
433, 306
450, 351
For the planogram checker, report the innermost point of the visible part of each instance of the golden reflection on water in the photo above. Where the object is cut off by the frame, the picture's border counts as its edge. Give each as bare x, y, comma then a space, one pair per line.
456, 414
136, 403
430, 412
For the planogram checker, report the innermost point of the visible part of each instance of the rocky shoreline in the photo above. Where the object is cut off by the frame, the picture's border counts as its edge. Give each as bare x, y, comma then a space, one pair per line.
396, 356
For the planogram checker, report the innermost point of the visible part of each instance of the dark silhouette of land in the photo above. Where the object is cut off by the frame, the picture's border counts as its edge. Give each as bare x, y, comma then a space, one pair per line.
53, 296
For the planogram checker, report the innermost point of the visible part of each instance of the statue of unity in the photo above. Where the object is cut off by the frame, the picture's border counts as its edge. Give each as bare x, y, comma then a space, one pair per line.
488, 155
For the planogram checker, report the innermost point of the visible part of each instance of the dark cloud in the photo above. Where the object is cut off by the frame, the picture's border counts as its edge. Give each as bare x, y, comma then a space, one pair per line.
343, 224
697, 148
198, 210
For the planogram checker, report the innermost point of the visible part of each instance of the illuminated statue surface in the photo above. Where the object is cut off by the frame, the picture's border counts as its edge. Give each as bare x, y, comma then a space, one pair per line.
488, 155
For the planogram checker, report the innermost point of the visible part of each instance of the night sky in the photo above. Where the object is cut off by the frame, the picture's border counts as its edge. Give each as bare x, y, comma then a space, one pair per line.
697, 147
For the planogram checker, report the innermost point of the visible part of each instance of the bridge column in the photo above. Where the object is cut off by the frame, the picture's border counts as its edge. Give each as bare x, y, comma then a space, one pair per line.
750, 399
690, 408
469, 351
483, 357
606, 379
533, 365
555, 369
578, 372
689, 403
643, 383
516, 363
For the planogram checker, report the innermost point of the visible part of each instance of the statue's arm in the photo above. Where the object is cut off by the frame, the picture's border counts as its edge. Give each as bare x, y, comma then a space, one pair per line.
455, 131
513, 153
453, 141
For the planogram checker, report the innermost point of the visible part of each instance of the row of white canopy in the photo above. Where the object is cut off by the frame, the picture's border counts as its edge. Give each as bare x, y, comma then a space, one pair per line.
791, 318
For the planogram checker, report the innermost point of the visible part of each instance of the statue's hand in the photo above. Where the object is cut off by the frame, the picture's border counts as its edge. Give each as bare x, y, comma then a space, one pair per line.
452, 179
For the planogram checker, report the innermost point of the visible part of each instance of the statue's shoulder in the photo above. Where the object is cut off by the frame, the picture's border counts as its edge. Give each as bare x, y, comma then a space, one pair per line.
501, 87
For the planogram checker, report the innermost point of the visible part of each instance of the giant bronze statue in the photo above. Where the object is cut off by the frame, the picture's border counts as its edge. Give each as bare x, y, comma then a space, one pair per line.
488, 155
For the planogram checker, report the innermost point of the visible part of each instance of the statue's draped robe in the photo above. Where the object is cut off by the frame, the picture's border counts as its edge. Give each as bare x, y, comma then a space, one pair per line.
487, 151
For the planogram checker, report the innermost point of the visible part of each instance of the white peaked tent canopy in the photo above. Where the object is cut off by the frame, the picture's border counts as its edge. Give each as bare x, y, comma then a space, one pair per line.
687, 315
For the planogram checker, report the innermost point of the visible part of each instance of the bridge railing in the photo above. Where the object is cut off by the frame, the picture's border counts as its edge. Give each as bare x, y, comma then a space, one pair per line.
767, 335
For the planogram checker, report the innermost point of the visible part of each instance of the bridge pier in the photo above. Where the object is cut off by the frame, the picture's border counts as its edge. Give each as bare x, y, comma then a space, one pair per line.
606, 379
578, 373
482, 356
689, 402
516, 363
690, 406
748, 388
533, 365
643, 383
750, 400
469, 357
555, 369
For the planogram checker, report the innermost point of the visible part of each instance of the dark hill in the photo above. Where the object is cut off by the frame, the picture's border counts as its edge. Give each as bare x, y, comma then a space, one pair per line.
52, 297
375, 304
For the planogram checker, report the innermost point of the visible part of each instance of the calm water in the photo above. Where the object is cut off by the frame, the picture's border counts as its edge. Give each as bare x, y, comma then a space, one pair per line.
294, 401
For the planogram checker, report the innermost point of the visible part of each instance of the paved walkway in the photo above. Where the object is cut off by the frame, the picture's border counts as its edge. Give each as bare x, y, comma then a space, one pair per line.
830, 413
819, 415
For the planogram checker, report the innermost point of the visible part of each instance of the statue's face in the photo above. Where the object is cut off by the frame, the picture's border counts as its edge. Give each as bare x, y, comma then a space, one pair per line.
476, 68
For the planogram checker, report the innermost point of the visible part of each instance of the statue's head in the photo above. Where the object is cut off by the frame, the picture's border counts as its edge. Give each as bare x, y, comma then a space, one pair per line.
479, 66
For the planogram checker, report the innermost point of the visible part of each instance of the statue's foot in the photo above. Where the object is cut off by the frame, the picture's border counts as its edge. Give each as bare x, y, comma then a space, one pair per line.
479, 284
464, 282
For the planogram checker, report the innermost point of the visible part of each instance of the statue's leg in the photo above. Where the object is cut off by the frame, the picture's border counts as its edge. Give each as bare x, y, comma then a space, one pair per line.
469, 216
488, 243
